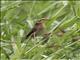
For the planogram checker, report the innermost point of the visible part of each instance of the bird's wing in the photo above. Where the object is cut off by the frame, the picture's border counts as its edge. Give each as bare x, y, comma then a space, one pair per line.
36, 27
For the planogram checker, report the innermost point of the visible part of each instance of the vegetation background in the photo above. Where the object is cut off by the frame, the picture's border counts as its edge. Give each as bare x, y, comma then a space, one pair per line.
17, 19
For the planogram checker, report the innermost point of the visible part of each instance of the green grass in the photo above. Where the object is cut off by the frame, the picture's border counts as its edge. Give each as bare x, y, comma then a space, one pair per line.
17, 19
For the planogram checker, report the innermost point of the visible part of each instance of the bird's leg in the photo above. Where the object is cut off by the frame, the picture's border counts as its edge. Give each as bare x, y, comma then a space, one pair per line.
33, 34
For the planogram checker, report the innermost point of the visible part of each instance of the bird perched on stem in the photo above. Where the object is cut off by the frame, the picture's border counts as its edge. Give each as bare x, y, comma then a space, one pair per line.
39, 26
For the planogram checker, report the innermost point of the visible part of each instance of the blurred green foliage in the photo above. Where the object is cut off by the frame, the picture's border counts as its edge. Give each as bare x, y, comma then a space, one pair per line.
17, 19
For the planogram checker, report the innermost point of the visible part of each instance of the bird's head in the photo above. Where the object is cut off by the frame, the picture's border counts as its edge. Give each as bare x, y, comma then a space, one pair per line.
42, 20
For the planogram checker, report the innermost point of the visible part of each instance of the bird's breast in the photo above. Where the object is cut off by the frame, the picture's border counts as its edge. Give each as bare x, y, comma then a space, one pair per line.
40, 27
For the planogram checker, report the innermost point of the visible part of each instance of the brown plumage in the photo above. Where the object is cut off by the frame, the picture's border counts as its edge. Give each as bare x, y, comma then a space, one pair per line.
39, 26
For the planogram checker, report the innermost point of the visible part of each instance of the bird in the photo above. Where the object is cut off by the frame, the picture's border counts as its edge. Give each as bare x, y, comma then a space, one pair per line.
38, 26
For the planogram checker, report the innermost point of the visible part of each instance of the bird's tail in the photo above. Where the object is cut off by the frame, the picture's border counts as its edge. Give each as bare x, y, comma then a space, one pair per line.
29, 34
26, 37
